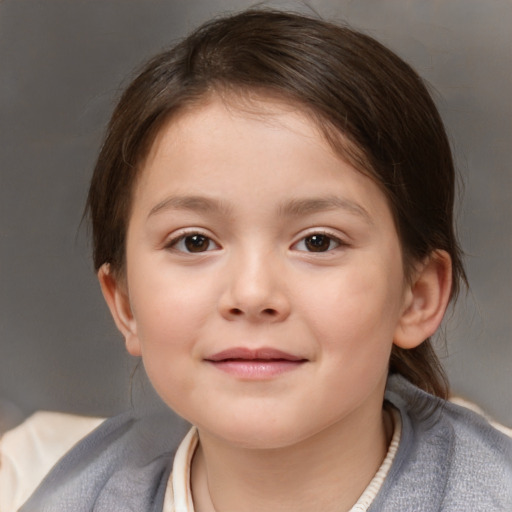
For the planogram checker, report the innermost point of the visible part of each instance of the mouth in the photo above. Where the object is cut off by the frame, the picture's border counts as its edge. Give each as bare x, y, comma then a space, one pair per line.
258, 364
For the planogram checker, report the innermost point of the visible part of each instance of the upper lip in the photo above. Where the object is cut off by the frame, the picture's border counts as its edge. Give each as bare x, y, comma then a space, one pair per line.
265, 353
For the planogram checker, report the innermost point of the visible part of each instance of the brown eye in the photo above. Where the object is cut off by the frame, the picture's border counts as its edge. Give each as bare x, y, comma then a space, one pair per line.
192, 244
317, 243
196, 243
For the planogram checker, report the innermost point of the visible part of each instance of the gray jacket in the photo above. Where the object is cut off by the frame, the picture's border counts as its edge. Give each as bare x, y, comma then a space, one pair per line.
449, 459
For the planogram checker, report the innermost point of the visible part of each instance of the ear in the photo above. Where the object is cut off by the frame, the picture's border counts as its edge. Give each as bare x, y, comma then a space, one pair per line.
426, 300
115, 292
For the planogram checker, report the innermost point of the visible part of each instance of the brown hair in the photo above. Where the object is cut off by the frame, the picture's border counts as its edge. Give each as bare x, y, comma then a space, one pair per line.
371, 106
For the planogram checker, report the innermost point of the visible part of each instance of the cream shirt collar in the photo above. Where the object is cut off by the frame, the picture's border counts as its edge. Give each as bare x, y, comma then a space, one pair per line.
178, 496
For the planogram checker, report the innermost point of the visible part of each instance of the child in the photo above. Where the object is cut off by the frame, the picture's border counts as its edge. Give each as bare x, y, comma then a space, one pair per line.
273, 234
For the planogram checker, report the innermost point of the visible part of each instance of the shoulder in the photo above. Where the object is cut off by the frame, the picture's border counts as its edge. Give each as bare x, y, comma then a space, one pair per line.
481, 460
460, 418
28, 452
126, 460
466, 404
452, 457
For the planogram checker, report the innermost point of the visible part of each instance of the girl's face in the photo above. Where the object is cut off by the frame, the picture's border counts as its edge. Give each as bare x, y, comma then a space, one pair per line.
264, 280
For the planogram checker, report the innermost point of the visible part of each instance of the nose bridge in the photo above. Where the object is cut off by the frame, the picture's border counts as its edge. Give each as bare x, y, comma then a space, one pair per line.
255, 289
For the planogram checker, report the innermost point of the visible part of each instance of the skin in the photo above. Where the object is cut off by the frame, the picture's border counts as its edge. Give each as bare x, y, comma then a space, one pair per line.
253, 186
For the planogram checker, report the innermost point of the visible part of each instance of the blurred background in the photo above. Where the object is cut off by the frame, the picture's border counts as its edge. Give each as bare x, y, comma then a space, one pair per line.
63, 64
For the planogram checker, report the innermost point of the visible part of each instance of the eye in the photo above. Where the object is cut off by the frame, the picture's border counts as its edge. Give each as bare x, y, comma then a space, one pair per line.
318, 242
193, 243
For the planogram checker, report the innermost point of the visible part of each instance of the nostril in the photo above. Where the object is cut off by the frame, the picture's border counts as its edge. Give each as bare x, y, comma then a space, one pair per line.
263, 313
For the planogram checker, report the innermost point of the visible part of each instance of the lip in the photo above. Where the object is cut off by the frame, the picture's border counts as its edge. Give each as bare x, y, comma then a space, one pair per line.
265, 353
255, 364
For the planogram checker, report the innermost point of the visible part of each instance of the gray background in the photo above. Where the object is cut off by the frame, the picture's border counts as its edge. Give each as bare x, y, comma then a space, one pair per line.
63, 63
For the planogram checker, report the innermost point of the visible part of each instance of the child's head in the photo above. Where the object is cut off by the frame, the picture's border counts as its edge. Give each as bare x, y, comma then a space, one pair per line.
370, 106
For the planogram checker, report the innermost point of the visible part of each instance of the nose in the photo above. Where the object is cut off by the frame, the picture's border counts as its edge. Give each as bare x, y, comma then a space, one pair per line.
255, 290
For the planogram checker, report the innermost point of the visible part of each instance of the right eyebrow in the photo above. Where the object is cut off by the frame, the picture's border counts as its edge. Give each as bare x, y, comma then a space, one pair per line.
192, 203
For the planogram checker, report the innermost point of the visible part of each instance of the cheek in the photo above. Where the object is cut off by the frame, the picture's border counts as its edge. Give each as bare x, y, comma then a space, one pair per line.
358, 311
170, 306
170, 318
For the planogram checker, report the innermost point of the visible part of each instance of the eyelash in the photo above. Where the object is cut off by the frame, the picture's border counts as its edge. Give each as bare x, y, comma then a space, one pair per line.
175, 242
324, 235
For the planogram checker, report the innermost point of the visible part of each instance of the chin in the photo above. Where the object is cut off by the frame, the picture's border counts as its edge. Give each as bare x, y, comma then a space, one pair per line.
256, 435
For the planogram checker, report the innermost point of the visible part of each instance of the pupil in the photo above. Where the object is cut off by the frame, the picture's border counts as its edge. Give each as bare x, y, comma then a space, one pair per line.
196, 243
318, 243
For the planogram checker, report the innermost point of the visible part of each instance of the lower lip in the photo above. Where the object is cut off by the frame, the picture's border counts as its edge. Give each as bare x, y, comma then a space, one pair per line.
256, 369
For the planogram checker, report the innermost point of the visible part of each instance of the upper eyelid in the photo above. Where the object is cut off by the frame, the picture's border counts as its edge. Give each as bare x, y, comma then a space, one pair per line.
174, 245
341, 242
334, 234
179, 234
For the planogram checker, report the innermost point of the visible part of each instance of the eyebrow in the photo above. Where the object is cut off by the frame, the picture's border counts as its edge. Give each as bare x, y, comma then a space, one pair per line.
192, 203
292, 208
298, 207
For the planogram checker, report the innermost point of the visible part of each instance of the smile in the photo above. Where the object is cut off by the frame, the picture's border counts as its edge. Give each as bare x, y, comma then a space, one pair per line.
256, 364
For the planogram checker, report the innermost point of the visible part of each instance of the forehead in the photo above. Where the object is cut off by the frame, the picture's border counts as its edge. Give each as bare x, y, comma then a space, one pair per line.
248, 145
269, 107
220, 130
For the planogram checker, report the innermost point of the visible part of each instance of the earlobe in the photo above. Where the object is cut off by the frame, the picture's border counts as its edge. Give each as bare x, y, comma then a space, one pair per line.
426, 301
116, 296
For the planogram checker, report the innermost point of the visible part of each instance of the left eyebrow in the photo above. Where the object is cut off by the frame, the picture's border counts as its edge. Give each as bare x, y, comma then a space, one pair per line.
298, 207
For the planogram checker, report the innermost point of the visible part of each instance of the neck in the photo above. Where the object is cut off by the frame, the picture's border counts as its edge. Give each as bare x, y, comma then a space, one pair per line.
327, 471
